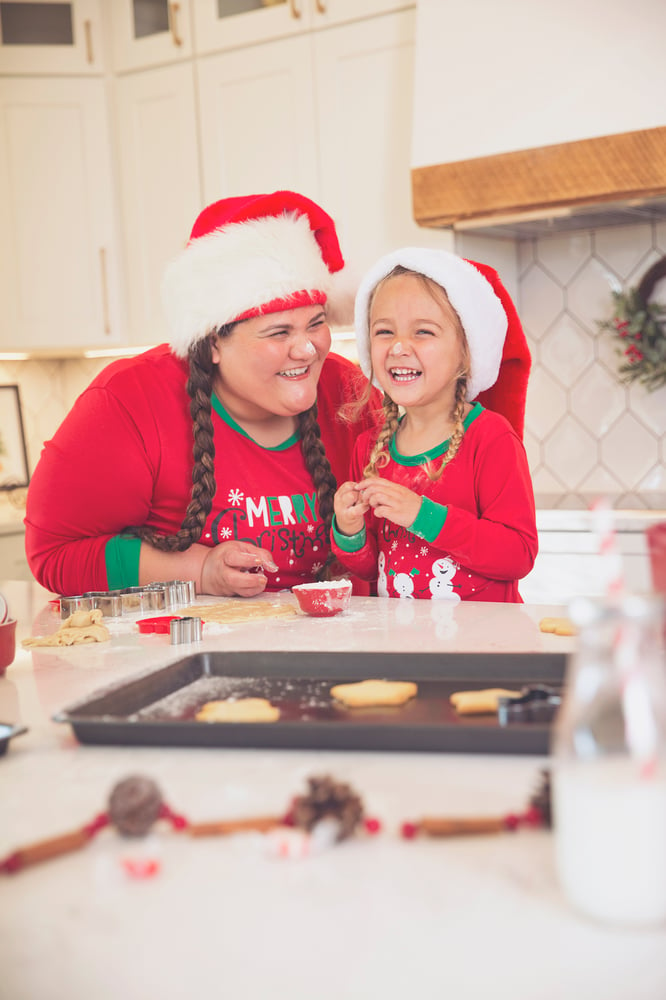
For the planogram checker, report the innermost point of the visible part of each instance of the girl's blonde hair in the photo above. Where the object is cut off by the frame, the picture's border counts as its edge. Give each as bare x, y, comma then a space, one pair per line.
379, 455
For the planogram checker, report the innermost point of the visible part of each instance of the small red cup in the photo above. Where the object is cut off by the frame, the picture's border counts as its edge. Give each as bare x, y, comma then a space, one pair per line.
7, 644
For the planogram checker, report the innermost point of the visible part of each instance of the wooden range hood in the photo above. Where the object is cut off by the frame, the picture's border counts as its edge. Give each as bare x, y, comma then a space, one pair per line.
608, 180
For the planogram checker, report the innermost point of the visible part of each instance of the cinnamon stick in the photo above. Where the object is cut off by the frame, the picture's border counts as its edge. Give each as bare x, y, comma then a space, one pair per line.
44, 850
443, 827
227, 826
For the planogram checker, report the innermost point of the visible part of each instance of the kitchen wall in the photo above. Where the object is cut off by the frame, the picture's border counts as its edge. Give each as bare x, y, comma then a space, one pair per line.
586, 434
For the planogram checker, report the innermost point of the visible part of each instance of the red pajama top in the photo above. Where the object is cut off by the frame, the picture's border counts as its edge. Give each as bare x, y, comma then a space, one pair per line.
123, 457
475, 535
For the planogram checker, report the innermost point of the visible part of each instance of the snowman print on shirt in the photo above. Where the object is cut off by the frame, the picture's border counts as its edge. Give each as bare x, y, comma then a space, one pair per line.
382, 582
403, 584
441, 585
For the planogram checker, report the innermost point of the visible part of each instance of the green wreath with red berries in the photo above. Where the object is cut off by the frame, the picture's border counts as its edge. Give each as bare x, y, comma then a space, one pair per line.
639, 326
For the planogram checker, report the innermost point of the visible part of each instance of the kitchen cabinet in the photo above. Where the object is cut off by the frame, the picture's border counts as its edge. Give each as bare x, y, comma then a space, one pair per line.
51, 37
150, 33
12, 553
329, 113
258, 120
59, 280
364, 73
229, 24
160, 188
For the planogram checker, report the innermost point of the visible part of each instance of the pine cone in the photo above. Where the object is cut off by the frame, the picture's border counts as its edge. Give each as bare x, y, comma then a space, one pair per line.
134, 805
328, 798
541, 799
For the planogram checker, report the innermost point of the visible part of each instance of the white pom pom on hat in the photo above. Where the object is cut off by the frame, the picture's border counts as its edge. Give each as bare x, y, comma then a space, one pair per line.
249, 256
500, 358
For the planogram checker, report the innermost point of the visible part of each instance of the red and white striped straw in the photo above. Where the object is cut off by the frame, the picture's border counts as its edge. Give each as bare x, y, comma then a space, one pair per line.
611, 560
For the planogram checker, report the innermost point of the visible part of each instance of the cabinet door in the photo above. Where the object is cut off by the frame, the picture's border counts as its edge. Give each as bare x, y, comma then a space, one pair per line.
58, 255
160, 188
364, 75
50, 37
230, 24
150, 33
258, 126
331, 12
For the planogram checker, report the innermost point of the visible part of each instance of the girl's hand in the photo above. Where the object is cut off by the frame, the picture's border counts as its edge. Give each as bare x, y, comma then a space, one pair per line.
390, 500
236, 569
349, 509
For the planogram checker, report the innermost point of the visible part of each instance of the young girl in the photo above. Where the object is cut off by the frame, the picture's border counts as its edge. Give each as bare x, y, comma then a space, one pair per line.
440, 505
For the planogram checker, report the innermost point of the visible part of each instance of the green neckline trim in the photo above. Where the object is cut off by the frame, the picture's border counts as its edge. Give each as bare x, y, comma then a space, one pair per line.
229, 420
438, 450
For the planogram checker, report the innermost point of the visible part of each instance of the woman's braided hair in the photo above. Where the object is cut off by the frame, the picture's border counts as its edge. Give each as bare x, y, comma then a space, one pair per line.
200, 391
379, 456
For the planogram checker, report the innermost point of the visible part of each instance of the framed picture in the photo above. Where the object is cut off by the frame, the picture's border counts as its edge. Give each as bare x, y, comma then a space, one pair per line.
13, 455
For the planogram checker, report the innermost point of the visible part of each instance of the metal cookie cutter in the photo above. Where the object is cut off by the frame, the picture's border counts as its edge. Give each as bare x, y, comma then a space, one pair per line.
536, 703
185, 630
132, 600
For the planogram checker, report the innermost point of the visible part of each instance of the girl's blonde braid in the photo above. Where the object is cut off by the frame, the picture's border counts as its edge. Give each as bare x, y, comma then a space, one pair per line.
379, 454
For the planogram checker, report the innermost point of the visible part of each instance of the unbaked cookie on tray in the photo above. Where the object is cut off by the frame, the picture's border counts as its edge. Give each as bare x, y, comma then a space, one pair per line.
373, 693
238, 710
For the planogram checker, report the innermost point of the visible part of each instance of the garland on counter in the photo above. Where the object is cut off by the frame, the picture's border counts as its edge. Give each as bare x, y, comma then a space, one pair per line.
640, 328
329, 812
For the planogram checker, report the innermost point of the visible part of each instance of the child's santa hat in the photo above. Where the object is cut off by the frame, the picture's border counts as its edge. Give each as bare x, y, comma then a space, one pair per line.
500, 358
246, 257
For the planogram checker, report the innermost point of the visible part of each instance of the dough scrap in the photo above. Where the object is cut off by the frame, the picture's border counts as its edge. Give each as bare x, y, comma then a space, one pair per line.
241, 710
80, 627
365, 694
484, 702
238, 610
558, 626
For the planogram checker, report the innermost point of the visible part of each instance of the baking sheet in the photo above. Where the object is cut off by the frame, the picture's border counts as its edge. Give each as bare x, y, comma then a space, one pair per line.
158, 709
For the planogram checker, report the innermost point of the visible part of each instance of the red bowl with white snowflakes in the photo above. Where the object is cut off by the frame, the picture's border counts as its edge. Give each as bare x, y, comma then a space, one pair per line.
323, 600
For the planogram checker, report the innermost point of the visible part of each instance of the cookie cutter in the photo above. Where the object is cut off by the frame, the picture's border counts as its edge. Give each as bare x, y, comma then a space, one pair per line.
185, 630
535, 703
132, 600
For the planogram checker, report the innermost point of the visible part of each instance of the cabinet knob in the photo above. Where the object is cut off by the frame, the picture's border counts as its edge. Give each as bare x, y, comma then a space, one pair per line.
294, 8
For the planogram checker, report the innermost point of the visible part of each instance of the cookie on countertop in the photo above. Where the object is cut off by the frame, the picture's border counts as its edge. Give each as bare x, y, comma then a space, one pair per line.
558, 626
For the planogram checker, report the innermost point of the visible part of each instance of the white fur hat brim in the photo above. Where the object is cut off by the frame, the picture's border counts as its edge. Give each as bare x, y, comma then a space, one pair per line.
481, 313
239, 270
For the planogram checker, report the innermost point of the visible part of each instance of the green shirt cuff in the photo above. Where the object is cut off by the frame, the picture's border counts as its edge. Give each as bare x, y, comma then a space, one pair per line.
429, 520
348, 543
122, 561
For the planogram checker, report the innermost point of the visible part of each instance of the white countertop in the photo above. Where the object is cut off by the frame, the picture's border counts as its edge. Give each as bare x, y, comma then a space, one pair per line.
372, 917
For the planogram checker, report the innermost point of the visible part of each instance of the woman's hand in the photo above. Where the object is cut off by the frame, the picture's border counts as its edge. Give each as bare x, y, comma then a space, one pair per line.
390, 500
236, 569
349, 509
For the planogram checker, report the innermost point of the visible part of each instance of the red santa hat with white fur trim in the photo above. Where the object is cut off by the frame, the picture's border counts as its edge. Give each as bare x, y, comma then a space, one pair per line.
249, 256
500, 357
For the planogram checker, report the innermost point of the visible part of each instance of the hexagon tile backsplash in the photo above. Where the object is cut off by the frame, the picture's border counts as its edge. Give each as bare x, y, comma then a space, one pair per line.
586, 434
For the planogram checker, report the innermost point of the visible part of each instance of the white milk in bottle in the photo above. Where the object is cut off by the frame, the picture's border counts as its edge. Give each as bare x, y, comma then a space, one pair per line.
609, 769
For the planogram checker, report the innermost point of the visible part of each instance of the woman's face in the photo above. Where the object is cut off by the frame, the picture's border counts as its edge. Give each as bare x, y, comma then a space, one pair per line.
415, 343
270, 365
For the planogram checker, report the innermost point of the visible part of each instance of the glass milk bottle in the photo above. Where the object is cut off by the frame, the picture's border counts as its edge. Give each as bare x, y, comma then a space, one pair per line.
609, 764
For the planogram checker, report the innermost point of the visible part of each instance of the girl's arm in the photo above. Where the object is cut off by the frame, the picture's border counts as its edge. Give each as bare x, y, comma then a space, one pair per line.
501, 541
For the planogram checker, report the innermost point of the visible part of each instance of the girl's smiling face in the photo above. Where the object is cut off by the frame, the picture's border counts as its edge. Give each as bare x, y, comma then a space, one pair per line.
269, 365
417, 345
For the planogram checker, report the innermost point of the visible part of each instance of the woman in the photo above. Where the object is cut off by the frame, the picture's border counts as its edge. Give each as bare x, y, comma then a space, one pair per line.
213, 458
